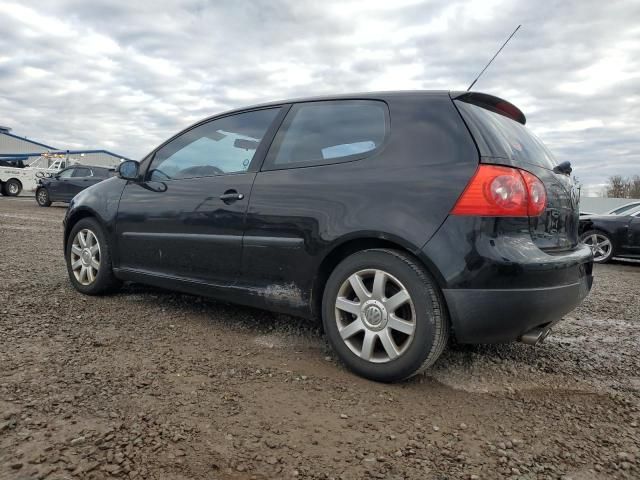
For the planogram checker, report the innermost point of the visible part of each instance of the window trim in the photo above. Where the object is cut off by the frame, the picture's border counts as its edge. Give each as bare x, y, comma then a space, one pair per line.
269, 166
257, 159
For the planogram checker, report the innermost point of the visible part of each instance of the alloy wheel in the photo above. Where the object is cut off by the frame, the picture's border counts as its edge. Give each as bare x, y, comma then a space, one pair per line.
85, 257
42, 197
13, 188
375, 315
599, 244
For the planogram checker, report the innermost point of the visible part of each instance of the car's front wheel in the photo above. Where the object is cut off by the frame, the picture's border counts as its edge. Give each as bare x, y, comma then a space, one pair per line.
42, 197
384, 315
88, 256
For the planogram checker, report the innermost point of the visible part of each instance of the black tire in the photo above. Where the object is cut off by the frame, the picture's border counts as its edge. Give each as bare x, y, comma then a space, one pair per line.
598, 257
2, 190
105, 281
42, 197
431, 324
12, 187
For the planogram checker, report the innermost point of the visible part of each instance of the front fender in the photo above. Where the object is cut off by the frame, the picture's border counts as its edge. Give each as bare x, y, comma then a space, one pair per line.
99, 201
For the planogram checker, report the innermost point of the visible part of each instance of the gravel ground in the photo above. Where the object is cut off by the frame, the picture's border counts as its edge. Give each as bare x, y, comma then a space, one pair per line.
153, 384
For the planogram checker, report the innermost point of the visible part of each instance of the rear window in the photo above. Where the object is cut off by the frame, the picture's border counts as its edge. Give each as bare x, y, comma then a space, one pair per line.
501, 137
318, 133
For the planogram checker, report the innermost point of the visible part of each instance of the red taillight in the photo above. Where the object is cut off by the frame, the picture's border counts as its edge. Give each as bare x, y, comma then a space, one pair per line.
496, 191
537, 194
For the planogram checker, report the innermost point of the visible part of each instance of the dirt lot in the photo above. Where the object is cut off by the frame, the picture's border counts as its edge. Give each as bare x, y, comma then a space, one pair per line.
151, 384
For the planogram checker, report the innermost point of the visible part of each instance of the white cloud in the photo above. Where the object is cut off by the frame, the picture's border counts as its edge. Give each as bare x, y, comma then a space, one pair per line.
126, 75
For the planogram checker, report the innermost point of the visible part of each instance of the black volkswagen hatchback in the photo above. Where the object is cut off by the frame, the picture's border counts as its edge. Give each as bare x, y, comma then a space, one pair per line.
400, 219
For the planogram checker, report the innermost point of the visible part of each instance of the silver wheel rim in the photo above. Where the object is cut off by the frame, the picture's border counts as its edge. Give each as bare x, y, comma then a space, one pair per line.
13, 188
599, 244
375, 316
42, 196
85, 257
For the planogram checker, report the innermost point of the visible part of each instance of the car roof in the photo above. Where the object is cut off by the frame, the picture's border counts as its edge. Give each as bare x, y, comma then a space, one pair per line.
380, 95
377, 95
94, 167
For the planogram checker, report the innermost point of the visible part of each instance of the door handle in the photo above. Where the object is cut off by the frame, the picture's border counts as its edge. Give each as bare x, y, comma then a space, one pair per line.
231, 196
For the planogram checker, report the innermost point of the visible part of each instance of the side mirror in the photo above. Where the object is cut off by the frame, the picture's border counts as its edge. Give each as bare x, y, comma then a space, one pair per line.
129, 170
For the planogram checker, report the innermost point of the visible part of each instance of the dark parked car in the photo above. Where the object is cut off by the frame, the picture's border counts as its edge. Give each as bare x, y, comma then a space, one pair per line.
400, 219
615, 235
67, 183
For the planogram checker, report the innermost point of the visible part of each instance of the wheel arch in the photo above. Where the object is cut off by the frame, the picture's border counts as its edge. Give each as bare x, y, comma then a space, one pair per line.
4, 184
14, 178
75, 216
355, 243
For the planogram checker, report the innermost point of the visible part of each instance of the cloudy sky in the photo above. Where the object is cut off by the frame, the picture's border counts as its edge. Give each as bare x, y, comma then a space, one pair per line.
124, 75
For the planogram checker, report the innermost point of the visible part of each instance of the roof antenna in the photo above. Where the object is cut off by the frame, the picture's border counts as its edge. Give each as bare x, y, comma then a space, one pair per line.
493, 58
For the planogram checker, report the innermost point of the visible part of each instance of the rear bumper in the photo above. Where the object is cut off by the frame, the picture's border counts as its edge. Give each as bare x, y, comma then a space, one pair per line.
500, 316
498, 284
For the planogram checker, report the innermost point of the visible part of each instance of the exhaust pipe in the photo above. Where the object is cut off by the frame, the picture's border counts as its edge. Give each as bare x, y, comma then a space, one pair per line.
535, 336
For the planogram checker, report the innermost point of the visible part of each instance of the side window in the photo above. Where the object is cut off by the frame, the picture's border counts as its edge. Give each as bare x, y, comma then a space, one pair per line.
81, 172
225, 145
66, 173
318, 133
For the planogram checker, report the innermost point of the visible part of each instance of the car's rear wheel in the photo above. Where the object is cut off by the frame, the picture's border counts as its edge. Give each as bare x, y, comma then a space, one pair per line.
384, 315
600, 245
42, 197
88, 256
12, 187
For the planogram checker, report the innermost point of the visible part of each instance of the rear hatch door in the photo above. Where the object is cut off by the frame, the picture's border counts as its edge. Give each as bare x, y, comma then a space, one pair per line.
502, 138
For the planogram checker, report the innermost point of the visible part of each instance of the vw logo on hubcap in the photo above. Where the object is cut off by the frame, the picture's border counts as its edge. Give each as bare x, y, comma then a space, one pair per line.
373, 315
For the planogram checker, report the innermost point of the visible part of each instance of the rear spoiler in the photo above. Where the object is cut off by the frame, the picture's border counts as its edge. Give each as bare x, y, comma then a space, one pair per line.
495, 104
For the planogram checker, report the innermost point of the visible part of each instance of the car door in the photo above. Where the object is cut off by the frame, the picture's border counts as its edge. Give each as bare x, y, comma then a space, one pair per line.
633, 244
305, 192
80, 179
60, 187
185, 218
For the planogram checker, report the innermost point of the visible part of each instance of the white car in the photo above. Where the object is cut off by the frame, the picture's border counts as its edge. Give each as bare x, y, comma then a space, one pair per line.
625, 209
14, 180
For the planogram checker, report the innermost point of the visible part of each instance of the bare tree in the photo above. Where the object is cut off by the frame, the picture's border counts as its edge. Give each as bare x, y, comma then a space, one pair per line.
634, 187
618, 187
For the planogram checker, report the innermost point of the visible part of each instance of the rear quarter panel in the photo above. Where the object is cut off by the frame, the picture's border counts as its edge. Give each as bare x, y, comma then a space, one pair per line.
298, 216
